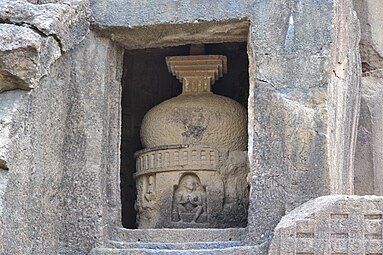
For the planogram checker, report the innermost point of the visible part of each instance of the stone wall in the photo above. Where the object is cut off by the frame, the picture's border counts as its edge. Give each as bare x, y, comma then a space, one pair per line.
62, 153
369, 153
59, 135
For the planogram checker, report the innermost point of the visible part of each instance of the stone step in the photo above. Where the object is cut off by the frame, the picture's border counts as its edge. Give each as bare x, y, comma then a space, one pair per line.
167, 235
173, 246
240, 250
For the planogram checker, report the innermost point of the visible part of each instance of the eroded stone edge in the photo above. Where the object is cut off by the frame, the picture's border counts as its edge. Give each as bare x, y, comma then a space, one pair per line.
56, 28
311, 221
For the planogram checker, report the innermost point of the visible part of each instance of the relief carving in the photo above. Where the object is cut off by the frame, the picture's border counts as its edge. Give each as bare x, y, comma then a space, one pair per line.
146, 204
150, 194
189, 200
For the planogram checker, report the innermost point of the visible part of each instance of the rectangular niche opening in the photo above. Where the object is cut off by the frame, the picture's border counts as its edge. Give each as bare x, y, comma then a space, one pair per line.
147, 82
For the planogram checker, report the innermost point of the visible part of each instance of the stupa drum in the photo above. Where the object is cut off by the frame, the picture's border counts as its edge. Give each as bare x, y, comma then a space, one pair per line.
192, 172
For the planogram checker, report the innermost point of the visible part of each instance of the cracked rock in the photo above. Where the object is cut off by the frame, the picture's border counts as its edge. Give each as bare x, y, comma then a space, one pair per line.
25, 57
66, 21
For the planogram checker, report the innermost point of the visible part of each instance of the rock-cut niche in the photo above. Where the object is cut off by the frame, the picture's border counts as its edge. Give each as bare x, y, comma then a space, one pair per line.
184, 137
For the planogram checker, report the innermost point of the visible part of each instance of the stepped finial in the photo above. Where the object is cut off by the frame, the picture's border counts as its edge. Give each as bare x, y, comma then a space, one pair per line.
197, 72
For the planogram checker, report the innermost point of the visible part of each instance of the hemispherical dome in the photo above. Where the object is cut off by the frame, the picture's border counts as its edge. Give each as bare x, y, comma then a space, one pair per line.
204, 119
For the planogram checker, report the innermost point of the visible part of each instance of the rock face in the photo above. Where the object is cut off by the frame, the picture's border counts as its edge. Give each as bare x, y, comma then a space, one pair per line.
34, 38
332, 225
53, 157
371, 43
67, 21
10, 102
40, 210
368, 161
344, 95
25, 57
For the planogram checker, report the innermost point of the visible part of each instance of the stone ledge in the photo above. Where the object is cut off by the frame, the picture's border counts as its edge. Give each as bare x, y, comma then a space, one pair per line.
179, 241
177, 235
241, 250
173, 246
332, 225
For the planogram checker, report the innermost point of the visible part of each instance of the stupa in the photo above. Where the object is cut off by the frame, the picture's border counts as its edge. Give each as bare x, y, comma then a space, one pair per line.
193, 168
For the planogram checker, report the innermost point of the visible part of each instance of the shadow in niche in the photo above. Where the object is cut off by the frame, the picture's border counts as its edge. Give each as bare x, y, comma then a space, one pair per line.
146, 82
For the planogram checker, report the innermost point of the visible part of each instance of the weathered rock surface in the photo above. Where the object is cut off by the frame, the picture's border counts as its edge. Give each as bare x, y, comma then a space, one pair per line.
25, 57
369, 154
48, 1
67, 22
332, 225
302, 127
10, 102
368, 160
344, 99
371, 44
32, 37
58, 155
177, 34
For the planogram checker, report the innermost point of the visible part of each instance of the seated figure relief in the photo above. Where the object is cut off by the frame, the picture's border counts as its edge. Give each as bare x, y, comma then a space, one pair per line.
189, 201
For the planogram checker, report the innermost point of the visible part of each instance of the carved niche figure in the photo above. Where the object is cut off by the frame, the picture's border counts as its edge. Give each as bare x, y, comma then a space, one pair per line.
189, 201
150, 194
147, 205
